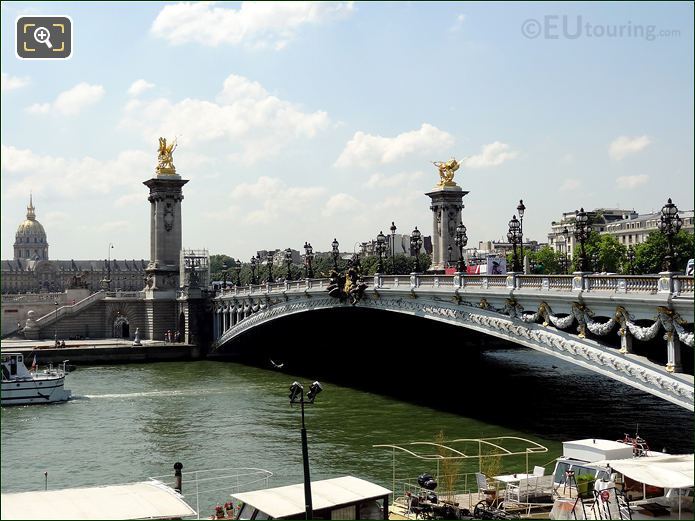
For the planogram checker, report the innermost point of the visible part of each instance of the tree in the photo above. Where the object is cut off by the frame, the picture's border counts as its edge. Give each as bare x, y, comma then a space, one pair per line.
547, 260
216, 262
649, 256
611, 253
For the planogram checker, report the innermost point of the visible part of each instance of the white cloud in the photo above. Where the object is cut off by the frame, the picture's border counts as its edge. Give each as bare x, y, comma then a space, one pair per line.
341, 203
628, 182
12, 82
570, 184
253, 24
379, 180
245, 115
492, 154
366, 149
71, 101
114, 226
269, 199
458, 23
129, 200
624, 145
139, 86
69, 178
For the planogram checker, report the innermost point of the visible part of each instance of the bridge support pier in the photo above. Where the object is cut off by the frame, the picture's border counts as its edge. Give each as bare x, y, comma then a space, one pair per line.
673, 351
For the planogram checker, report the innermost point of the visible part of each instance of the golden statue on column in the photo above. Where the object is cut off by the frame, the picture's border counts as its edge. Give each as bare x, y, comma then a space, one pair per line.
446, 172
165, 161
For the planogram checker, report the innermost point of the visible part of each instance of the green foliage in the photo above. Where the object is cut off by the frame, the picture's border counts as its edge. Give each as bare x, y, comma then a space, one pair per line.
547, 260
216, 262
649, 256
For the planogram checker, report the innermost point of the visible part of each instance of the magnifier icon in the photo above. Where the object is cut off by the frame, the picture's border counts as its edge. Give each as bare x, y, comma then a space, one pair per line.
42, 35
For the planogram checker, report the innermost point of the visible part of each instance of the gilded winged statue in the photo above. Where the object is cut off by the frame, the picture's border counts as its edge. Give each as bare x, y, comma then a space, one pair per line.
165, 160
446, 171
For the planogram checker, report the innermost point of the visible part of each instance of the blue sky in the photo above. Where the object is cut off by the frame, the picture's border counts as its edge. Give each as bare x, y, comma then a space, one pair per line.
303, 122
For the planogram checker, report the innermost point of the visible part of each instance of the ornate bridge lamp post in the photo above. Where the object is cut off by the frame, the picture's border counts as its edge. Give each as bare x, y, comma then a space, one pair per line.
308, 258
513, 237
581, 233
566, 235
380, 250
669, 225
631, 260
393, 247
237, 269
520, 210
461, 239
269, 260
225, 269
297, 395
335, 252
254, 263
288, 261
415, 245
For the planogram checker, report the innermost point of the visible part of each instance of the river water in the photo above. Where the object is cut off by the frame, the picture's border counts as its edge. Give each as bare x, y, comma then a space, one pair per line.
129, 422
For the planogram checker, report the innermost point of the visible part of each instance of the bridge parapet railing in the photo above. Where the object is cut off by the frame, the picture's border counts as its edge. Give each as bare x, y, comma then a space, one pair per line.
497, 281
602, 283
530, 281
561, 282
683, 284
641, 283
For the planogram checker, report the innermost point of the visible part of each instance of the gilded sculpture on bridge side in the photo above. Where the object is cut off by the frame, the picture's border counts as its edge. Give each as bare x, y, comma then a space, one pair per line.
165, 161
446, 171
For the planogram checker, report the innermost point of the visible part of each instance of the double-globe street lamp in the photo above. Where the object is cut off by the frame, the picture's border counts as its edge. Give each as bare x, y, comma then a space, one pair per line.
669, 224
520, 211
380, 250
513, 235
308, 258
297, 395
581, 233
461, 239
415, 245
237, 270
288, 261
393, 247
269, 260
566, 235
254, 263
335, 252
631, 260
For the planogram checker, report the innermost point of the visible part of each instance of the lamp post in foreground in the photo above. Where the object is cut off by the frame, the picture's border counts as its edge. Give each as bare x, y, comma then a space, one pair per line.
297, 395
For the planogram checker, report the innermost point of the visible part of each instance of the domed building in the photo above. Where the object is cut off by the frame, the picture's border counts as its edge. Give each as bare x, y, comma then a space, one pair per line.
30, 240
31, 272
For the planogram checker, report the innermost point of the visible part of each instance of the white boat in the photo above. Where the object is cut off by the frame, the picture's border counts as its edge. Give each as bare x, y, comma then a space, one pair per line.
21, 386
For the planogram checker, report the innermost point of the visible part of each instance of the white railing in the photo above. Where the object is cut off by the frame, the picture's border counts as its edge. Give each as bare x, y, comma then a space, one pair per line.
62, 311
126, 294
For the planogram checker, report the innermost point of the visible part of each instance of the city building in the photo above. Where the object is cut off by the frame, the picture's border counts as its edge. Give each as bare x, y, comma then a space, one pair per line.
629, 227
31, 271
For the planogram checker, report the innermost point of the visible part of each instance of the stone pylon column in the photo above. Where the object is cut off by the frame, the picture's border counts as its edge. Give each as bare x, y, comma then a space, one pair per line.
165, 244
447, 203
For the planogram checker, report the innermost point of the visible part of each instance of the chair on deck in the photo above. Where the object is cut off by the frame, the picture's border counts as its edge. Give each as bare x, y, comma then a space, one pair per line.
538, 471
484, 487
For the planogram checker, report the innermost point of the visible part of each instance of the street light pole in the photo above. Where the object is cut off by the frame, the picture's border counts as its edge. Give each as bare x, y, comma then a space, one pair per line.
336, 253
393, 247
669, 225
416, 244
55, 333
308, 258
520, 209
297, 394
566, 235
513, 237
254, 262
270, 266
380, 249
288, 260
581, 234
461, 240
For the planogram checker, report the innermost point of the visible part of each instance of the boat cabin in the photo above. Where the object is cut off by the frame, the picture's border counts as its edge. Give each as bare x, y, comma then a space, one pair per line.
13, 366
347, 497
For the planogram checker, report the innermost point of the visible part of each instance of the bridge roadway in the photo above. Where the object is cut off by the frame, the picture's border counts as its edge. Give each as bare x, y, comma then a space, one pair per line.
537, 311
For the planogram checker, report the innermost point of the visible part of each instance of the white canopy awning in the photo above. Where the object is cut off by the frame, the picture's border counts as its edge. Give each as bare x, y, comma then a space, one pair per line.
659, 471
144, 500
289, 501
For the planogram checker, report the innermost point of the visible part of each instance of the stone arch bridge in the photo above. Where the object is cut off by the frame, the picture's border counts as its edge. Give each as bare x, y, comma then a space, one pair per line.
564, 316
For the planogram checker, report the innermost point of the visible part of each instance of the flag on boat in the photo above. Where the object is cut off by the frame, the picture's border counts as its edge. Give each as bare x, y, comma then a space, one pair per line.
33, 364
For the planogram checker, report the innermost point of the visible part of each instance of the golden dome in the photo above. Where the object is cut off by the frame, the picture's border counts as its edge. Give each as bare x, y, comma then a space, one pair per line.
31, 227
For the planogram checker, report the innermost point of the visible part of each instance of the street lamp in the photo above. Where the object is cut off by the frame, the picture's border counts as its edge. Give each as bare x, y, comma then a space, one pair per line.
308, 257
225, 268
55, 333
416, 244
520, 209
461, 239
581, 233
288, 260
254, 263
269, 260
393, 247
631, 259
669, 225
297, 395
336, 253
237, 268
513, 236
566, 235
380, 250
